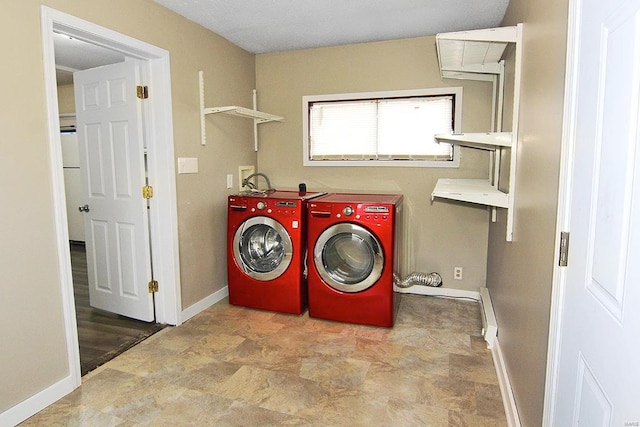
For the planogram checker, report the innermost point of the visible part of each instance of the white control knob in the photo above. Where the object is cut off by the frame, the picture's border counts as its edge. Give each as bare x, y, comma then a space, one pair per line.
261, 205
348, 211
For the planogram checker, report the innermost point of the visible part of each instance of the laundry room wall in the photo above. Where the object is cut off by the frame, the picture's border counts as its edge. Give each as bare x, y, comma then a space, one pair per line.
34, 354
520, 273
439, 235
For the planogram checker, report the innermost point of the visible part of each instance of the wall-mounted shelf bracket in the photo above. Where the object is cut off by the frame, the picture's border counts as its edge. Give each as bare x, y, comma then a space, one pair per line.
477, 55
258, 117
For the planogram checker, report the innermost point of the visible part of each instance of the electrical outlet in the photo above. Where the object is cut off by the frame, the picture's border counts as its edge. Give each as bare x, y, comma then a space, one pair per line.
457, 273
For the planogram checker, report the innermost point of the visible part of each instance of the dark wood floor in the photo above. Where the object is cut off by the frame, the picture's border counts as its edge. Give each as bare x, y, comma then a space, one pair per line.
102, 335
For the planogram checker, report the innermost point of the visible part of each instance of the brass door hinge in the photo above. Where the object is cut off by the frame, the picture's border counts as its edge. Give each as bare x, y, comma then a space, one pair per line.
564, 249
147, 192
153, 286
142, 92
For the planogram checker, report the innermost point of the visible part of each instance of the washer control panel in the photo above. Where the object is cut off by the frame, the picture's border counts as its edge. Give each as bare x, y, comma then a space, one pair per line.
265, 206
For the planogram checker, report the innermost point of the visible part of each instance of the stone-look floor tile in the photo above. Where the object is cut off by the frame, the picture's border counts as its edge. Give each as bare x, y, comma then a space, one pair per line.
377, 352
368, 332
240, 414
403, 413
265, 356
335, 372
489, 401
452, 342
271, 390
462, 419
448, 393
473, 368
346, 407
260, 329
178, 340
384, 380
194, 372
61, 415
137, 359
423, 361
232, 365
216, 345
99, 391
145, 401
192, 408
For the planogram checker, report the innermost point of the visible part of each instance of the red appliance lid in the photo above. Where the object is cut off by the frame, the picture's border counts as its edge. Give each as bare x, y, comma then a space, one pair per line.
360, 198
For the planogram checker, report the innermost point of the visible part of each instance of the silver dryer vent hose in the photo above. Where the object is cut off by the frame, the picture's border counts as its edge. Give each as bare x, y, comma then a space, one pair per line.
415, 278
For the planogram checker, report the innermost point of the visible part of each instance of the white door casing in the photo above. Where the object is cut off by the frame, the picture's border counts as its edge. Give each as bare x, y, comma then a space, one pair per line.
110, 136
593, 375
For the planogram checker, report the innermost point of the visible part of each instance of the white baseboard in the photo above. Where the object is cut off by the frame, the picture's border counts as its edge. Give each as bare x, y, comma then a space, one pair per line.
489, 323
37, 402
508, 400
438, 292
204, 303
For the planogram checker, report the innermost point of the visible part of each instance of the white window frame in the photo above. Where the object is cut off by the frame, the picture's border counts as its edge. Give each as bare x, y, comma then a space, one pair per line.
441, 91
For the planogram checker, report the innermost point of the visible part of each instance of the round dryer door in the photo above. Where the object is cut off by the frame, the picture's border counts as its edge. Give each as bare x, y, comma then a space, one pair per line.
348, 257
263, 248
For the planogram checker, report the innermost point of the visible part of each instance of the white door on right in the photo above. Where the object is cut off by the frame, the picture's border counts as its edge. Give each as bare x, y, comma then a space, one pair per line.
598, 381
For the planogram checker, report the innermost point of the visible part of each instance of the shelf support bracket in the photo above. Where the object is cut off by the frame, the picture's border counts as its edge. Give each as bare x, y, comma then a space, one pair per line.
203, 128
256, 116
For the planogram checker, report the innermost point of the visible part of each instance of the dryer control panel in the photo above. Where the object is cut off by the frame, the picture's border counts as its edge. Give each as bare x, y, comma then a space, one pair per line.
363, 213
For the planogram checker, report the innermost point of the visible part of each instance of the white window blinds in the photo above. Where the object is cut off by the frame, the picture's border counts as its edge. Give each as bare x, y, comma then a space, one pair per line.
381, 129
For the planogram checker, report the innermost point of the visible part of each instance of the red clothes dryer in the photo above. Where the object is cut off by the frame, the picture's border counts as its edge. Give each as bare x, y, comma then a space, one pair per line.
352, 257
266, 244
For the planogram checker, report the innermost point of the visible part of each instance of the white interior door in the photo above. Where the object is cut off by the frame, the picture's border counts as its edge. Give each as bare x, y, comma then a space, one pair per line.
110, 135
598, 364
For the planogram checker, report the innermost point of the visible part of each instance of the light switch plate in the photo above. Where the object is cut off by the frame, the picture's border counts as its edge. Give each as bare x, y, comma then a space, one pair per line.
187, 165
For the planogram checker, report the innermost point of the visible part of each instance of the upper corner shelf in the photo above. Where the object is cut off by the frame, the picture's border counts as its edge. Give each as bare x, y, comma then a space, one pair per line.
258, 117
483, 140
468, 54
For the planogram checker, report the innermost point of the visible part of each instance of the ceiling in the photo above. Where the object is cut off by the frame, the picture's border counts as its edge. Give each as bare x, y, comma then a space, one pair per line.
74, 55
265, 26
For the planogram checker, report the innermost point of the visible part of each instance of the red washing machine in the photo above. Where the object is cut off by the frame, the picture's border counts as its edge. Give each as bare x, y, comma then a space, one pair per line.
352, 257
266, 244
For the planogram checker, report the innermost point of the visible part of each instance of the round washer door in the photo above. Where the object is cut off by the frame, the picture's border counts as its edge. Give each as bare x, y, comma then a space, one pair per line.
263, 248
348, 257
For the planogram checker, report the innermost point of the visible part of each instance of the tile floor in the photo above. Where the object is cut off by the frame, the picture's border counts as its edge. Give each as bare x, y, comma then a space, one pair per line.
232, 366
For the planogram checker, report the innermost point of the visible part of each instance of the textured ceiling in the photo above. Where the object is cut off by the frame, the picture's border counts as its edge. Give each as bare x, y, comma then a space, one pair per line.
263, 26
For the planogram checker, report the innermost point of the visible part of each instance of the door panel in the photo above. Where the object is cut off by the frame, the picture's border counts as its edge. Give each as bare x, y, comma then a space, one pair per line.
598, 373
112, 156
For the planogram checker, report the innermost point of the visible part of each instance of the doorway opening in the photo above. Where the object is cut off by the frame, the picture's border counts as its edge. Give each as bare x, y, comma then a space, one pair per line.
160, 155
101, 335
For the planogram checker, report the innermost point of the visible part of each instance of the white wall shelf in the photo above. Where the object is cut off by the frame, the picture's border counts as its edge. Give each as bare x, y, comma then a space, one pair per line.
258, 117
485, 141
478, 55
479, 191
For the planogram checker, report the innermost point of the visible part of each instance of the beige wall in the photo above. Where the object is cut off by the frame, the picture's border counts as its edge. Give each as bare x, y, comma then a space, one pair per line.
33, 354
441, 234
519, 274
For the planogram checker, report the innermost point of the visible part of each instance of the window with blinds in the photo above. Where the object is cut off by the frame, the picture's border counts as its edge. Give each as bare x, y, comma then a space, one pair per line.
385, 128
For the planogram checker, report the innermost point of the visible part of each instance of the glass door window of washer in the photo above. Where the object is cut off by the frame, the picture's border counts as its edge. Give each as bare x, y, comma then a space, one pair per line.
262, 248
